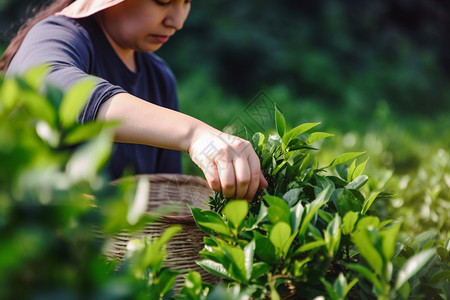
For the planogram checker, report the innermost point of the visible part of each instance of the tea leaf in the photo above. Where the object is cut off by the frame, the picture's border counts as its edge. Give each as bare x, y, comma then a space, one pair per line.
260, 269
237, 266
249, 252
443, 276
35, 76
412, 266
215, 269
357, 182
344, 158
389, 237
296, 215
210, 221
313, 207
236, 211
359, 170
278, 210
280, 123
310, 246
332, 235
368, 203
289, 135
365, 240
279, 235
349, 221
365, 272
317, 136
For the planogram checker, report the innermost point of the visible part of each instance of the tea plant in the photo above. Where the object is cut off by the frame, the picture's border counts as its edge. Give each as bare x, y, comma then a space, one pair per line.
57, 206
312, 232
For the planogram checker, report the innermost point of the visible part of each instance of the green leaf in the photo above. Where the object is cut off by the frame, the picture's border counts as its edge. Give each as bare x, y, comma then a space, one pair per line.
443, 276
365, 272
368, 203
365, 239
289, 135
260, 269
258, 140
296, 215
348, 222
167, 280
332, 235
357, 182
237, 267
279, 236
317, 136
74, 100
278, 210
412, 266
9, 93
351, 170
292, 196
210, 221
265, 249
87, 131
35, 76
330, 289
87, 160
139, 205
389, 236
236, 211
215, 269
359, 170
310, 246
313, 207
344, 158
280, 123
249, 252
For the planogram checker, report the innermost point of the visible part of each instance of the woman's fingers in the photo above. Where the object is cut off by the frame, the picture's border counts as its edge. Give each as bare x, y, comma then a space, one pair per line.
230, 168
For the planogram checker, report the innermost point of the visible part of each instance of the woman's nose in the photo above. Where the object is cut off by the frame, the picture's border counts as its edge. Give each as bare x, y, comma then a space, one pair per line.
176, 16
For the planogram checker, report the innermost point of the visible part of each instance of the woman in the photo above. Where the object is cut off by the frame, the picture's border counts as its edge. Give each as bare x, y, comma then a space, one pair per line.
113, 41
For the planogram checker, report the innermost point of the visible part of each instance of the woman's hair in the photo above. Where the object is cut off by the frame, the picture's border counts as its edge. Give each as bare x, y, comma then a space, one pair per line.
50, 9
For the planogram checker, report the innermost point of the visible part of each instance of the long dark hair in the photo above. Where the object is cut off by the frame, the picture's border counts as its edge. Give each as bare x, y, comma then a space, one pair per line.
45, 11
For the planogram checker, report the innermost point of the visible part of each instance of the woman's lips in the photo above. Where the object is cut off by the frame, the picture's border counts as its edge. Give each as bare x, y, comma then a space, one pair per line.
161, 38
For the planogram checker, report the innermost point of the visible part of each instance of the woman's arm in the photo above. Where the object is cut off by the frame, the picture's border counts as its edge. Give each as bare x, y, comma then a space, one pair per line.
229, 163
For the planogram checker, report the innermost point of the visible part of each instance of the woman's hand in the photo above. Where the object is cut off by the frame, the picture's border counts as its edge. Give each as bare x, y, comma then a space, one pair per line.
229, 163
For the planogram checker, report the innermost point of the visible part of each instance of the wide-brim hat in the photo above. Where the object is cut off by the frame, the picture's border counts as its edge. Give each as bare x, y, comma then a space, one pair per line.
84, 8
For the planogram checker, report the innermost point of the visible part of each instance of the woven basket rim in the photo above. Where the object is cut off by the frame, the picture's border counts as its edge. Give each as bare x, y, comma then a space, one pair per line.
170, 178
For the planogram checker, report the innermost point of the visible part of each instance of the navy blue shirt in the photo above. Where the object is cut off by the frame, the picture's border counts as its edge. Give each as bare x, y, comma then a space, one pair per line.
76, 49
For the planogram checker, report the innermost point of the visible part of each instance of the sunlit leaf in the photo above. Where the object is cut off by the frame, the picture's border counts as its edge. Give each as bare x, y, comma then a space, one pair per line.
349, 221
210, 221
215, 269
358, 182
294, 132
236, 211
344, 158
413, 265
139, 205
317, 136
280, 123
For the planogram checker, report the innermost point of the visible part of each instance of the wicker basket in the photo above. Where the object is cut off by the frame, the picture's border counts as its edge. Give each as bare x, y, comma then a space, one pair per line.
183, 249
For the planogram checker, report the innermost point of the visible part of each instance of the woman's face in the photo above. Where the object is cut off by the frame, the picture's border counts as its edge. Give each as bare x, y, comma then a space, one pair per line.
143, 25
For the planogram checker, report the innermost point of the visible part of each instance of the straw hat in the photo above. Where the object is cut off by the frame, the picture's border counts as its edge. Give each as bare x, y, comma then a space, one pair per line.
85, 8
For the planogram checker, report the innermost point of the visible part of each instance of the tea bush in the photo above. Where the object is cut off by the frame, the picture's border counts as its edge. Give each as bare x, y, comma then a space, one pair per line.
314, 232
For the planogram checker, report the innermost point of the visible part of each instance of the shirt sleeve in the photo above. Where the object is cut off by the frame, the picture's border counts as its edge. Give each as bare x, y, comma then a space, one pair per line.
63, 45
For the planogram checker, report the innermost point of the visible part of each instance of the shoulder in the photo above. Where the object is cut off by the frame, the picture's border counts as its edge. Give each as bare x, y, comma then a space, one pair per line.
59, 28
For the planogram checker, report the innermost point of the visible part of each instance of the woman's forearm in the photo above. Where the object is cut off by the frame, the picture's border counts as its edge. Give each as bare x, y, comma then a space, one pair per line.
149, 124
229, 163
